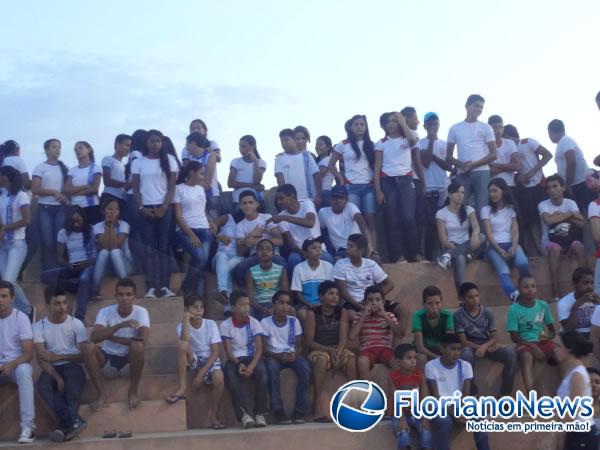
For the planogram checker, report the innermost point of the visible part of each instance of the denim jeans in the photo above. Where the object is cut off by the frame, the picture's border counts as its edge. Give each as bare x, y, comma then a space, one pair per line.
295, 258
503, 267
72, 280
476, 183
51, 218
459, 258
12, 255
155, 235
363, 196
403, 437
239, 272
301, 368
433, 201
134, 219
120, 264
399, 214
442, 431
65, 405
505, 356
22, 376
223, 263
195, 276
240, 391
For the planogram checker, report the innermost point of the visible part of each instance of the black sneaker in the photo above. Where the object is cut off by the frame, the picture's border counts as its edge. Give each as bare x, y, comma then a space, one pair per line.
76, 429
298, 419
57, 435
282, 418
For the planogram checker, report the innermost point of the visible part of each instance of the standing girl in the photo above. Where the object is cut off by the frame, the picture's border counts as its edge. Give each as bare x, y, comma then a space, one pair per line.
246, 173
83, 183
10, 155
324, 147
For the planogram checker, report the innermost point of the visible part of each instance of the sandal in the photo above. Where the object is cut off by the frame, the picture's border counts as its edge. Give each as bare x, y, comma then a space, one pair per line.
218, 426
109, 434
124, 434
172, 399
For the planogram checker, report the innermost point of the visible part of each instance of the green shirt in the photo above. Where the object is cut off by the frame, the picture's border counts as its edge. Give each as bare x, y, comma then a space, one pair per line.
266, 282
529, 322
432, 334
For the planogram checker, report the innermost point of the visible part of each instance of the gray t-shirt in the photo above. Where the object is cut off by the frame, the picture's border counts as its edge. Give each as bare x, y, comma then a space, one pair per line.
477, 329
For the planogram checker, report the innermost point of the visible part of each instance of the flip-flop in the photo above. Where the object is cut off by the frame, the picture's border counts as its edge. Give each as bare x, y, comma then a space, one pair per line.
172, 399
218, 426
124, 434
109, 434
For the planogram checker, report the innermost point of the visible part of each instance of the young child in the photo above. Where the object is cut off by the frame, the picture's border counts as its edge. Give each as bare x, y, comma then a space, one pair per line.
264, 279
525, 322
430, 324
242, 340
375, 328
283, 349
198, 352
575, 309
407, 376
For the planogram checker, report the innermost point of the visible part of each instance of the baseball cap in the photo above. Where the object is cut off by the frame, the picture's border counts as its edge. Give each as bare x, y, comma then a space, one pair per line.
308, 242
339, 191
430, 116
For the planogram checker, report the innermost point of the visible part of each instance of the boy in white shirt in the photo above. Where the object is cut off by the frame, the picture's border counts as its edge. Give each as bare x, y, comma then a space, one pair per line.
113, 172
61, 343
576, 308
283, 349
507, 161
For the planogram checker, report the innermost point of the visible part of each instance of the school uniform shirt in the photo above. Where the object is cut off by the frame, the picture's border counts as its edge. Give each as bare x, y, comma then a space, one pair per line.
432, 333
340, 226
584, 313
396, 156
477, 328
153, 182
328, 179
60, 338
547, 206
14, 329
436, 178
16, 162
529, 322
244, 173
356, 171
51, 177
307, 280
281, 338
300, 234
193, 205
117, 173
213, 190
185, 154
457, 232
376, 331
228, 229
358, 278
83, 176
109, 316
529, 159
10, 212
298, 169
245, 227
122, 228
448, 379
471, 139
504, 155
581, 168
202, 338
266, 282
242, 336
501, 222
76, 247
133, 155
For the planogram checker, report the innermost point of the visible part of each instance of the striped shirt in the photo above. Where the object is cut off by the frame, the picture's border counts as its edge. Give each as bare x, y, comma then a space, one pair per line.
266, 282
376, 331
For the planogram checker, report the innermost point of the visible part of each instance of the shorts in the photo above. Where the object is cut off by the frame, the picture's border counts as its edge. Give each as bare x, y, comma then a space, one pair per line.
565, 251
198, 363
528, 199
363, 196
344, 358
115, 365
378, 355
545, 346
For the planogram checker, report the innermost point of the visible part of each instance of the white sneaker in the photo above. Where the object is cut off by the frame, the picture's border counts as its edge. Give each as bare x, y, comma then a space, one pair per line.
247, 421
260, 421
27, 436
151, 293
444, 260
166, 292
514, 296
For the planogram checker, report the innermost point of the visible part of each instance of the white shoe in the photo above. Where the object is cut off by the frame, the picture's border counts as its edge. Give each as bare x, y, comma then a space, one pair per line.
166, 292
27, 436
247, 421
151, 293
444, 260
260, 421
514, 296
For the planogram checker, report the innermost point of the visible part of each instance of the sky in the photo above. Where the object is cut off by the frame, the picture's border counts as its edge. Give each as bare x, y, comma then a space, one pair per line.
89, 71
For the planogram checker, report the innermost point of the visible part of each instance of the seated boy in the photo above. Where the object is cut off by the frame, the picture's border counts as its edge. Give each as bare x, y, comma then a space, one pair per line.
430, 324
525, 322
446, 375
475, 326
123, 330
242, 340
61, 342
198, 352
375, 329
283, 349
576, 308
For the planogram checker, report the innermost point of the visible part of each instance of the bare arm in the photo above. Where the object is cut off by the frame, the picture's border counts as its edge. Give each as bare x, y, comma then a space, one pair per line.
333, 167
345, 294
36, 188
26, 219
420, 344
570, 171
491, 156
109, 180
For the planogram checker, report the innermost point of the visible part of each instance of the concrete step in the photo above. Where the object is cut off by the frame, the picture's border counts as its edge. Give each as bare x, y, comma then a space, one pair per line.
152, 387
161, 310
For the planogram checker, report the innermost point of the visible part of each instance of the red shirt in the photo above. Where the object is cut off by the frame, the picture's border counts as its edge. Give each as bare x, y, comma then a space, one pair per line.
412, 381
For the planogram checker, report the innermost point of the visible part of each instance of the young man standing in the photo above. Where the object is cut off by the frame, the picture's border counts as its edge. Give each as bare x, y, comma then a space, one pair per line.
113, 172
507, 161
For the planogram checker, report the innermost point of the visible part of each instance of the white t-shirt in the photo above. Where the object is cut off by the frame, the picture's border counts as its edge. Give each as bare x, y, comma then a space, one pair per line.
529, 158
245, 227
307, 280
10, 212
185, 154
60, 338
358, 278
202, 338
300, 234
281, 338
355, 171
340, 226
153, 182
584, 315
396, 156
457, 232
294, 171
501, 222
133, 155
14, 329
547, 206
84, 176
448, 380
16, 162
228, 230
436, 178
581, 168
328, 179
242, 338
122, 228
564, 389
117, 173
193, 205
75, 243
213, 190
471, 139
109, 316
244, 173
51, 177
504, 154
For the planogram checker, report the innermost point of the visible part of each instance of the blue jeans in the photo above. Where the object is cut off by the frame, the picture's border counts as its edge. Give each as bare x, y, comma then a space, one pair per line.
239, 388
73, 281
134, 219
459, 258
503, 355
399, 214
476, 184
155, 234
295, 258
12, 255
442, 431
239, 272
51, 218
120, 263
363, 196
503, 267
194, 278
301, 368
223, 263
65, 405
403, 436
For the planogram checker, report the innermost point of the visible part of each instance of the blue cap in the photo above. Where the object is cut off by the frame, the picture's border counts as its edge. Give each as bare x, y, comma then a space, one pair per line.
430, 116
339, 191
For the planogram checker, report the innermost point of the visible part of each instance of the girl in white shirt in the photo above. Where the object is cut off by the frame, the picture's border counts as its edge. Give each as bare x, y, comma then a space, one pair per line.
198, 147
324, 147
10, 155
459, 233
246, 173
83, 182
502, 231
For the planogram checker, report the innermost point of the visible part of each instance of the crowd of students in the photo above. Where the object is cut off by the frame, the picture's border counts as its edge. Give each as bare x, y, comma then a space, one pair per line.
311, 275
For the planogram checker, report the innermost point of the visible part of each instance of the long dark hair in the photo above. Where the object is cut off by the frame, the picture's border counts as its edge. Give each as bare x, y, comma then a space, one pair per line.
14, 178
9, 148
454, 186
86, 228
138, 143
191, 166
89, 147
162, 155
170, 148
328, 143
368, 146
500, 183
63, 167
251, 140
